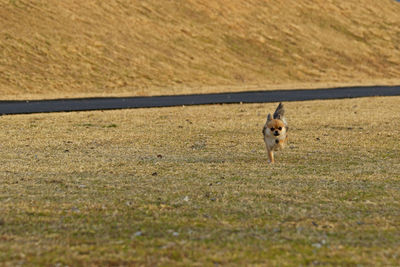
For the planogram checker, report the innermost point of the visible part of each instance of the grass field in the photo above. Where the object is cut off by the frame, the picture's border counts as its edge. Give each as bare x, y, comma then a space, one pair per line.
191, 186
71, 48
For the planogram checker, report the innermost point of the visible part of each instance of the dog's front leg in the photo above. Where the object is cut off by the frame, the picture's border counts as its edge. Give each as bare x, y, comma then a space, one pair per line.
270, 155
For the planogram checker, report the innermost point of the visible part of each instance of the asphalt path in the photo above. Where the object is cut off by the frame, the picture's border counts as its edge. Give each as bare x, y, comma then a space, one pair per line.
86, 104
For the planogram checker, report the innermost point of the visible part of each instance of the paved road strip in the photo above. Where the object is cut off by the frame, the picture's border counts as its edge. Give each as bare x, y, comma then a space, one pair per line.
86, 104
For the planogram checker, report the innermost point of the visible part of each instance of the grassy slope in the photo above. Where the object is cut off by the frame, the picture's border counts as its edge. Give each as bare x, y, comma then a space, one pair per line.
191, 186
72, 48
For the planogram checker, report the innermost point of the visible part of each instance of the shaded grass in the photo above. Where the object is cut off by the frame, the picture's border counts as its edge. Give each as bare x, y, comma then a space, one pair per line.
191, 186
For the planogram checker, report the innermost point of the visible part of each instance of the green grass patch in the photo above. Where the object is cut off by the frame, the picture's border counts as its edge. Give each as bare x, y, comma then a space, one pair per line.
191, 186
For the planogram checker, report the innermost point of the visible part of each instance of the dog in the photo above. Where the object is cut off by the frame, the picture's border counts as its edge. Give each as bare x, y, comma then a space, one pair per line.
275, 132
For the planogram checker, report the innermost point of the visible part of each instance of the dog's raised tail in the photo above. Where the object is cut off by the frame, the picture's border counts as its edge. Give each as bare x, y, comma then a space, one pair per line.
279, 112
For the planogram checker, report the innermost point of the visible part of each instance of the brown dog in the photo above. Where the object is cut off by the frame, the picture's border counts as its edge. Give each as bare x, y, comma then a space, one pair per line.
275, 132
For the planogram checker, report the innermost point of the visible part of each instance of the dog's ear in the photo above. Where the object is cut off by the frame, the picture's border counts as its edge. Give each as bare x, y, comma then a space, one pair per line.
269, 118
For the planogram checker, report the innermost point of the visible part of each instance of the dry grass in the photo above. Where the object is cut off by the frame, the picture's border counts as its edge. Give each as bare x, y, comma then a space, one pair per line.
191, 186
52, 49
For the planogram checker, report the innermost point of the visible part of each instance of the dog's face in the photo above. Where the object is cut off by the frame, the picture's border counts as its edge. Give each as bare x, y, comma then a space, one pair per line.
275, 128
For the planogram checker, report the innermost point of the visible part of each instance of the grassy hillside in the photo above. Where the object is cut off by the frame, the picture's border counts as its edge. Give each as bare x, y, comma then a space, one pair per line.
67, 48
